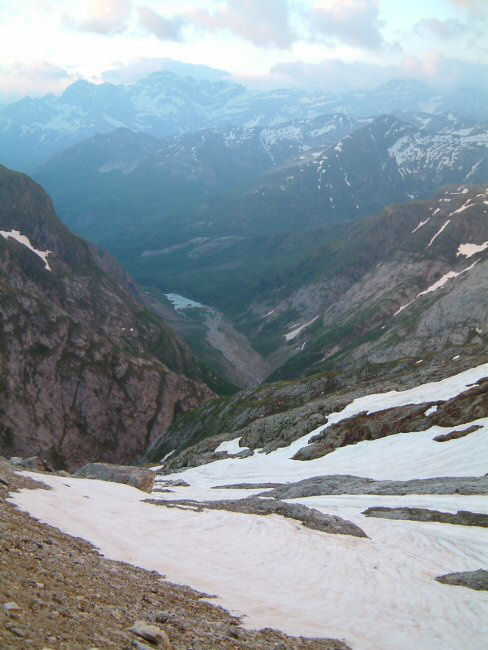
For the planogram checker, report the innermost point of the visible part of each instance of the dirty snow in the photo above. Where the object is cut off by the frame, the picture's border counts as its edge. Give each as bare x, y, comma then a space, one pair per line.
377, 593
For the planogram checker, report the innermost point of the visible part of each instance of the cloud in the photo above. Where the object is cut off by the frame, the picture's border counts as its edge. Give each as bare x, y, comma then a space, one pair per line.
443, 29
37, 79
338, 76
355, 22
333, 75
166, 29
104, 17
446, 73
449, 29
266, 23
137, 69
477, 7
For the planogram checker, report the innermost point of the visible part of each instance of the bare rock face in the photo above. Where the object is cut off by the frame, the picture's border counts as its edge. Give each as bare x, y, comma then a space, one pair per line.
87, 371
138, 477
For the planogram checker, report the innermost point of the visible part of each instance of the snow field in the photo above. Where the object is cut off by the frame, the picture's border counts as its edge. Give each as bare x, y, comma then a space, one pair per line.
377, 593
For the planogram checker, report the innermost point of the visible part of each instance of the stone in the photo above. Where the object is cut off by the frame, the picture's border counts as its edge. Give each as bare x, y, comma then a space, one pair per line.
309, 517
12, 607
460, 518
348, 484
178, 482
18, 631
151, 633
477, 580
141, 646
454, 435
34, 464
138, 477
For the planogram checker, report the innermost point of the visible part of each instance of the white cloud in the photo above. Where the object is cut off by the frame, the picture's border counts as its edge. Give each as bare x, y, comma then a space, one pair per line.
475, 7
449, 29
36, 79
142, 67
104, 16
339, 76
166, 29
266, 23
355, 22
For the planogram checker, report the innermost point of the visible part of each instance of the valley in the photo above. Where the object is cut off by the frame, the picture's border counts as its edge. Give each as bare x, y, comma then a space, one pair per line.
244, 366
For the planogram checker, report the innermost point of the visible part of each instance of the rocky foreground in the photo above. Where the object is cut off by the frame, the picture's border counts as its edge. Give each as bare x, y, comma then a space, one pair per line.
57, 592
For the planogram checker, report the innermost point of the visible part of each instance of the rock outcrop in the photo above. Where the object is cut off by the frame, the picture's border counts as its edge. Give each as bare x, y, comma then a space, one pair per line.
477, 580
87, 371
309, 517
138, 477
275, 414
471, 404
347, 484
461, 517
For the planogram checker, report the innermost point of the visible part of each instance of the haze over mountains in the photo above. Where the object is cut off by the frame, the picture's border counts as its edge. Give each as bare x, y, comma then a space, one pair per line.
32, 130
256, 190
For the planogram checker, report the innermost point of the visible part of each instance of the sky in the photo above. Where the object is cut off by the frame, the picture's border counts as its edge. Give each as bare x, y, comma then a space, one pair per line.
337, 45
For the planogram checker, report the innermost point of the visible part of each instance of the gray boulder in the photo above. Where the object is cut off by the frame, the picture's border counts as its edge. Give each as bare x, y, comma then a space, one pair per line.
472, 579
138, 477
34, 464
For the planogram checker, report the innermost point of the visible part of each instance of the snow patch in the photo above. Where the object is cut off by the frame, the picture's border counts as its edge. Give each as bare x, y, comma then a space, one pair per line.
437, 285
432, 409
294, 333
231, 447
438, 233
23, 239
422, 223
312, 581
468, 250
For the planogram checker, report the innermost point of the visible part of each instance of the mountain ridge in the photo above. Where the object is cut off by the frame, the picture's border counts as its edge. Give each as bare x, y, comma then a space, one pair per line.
32, 130
86, 369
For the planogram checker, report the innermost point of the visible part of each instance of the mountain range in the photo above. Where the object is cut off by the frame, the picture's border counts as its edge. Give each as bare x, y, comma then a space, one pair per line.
34, 129
265, 209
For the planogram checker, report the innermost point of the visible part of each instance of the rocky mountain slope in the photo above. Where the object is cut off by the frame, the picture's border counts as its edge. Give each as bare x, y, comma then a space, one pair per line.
228, 200
87, 370
32, 130
405, 284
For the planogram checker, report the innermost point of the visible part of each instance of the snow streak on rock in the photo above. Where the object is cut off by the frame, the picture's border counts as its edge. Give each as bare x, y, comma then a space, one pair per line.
22, 239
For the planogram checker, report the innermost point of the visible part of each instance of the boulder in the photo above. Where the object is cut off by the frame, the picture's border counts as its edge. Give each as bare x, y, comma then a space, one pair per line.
138, 477
477, 580
34, 464
151, 633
